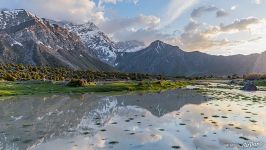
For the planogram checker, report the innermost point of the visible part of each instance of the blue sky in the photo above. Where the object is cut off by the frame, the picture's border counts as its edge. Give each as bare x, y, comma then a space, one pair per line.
220, 27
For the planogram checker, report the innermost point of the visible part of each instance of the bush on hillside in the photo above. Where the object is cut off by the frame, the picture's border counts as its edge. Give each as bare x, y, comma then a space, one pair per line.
77, 83
9, 77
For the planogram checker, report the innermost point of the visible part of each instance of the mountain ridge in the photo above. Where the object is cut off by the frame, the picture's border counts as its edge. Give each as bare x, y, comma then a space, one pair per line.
162, 58
28, 39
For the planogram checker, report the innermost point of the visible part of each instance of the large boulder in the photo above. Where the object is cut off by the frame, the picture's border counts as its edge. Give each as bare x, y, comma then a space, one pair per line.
249, 86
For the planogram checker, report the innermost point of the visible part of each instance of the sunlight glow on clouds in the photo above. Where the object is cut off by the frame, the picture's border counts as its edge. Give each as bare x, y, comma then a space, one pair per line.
202, 25
101, 2
175, 9
114, 25
198, 12
258, 1
200, 36
73, 10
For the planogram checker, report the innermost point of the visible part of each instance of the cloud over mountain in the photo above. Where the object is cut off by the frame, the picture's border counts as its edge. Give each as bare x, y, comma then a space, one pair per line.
72, 10
114, 25
200, 36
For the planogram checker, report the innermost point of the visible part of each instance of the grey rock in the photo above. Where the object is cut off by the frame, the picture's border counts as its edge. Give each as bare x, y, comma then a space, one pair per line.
249, 86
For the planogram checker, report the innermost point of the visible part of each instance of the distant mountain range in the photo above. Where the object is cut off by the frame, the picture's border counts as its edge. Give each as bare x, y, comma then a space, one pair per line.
162, 58
28, 39
101, 45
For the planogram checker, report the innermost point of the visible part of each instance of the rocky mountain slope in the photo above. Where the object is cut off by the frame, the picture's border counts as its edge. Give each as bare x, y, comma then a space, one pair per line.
28, 39
161, 58
101, 45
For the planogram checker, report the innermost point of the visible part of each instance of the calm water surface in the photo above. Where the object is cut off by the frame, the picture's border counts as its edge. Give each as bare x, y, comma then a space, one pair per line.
180, 119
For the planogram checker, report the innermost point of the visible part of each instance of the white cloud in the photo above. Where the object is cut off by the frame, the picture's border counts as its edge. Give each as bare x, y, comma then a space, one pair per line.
198, 12
79, 11
221, 13
234, 7
199, 36
175, 9
102, 2
258, 1
145, 35
140, 21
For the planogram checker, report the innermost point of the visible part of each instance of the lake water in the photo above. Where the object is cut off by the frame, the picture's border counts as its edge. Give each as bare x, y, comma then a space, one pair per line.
180, 119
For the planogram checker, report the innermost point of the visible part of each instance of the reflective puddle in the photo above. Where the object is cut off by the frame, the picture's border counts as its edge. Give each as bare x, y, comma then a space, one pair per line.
180, 119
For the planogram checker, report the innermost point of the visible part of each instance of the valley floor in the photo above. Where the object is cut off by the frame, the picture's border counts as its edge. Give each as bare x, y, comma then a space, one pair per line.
42, 87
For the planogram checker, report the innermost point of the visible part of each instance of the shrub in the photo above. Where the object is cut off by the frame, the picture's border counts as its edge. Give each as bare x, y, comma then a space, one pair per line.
77, 83
9, 77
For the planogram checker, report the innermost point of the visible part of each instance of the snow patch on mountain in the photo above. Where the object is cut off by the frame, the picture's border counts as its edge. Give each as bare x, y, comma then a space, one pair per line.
10, 18
102, 46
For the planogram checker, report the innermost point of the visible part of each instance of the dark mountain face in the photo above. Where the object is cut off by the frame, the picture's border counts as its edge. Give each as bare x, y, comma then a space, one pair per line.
161, 58
27, 39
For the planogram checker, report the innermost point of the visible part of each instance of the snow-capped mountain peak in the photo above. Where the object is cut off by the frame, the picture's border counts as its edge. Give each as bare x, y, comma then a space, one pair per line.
103, 47
28, 39
9, 18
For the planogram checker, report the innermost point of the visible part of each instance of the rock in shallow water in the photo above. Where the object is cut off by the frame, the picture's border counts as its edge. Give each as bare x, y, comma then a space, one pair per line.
249, 86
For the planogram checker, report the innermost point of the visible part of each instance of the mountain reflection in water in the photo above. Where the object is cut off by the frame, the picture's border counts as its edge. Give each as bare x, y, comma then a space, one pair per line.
166, 120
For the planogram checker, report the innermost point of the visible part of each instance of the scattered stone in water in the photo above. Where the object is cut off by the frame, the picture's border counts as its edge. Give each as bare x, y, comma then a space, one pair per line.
103, 130
113, 142
27, 141
27, 125
98, 124
253, 121
176, 147
244, 138
182, 124
16, 139
214, 122
114, 123
85, 133
249, 86
161, 129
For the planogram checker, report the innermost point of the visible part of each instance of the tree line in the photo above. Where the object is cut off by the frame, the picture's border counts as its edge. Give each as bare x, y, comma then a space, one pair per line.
13, 72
